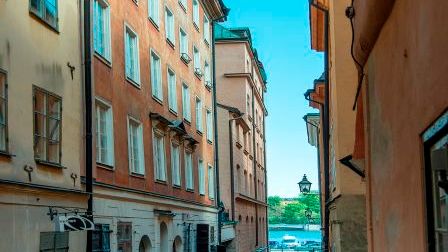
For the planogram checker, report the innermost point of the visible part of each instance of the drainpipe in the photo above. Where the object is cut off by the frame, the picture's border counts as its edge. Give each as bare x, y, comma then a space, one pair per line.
88, 114
265, 178
215, 131
318, 165
326, 122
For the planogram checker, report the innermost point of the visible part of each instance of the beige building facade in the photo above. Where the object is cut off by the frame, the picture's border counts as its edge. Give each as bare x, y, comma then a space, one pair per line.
41, 124
345, 202
241, 86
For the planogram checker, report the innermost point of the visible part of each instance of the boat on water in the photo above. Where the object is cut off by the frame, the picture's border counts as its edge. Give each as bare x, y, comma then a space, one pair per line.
290, 242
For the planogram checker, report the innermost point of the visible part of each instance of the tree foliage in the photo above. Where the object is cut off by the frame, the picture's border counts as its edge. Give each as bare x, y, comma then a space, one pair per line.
293, 211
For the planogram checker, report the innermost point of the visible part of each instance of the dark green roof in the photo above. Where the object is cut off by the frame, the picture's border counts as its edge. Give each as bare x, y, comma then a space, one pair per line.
239, 34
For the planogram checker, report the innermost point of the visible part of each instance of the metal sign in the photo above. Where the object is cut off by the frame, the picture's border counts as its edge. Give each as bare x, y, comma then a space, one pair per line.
73, 223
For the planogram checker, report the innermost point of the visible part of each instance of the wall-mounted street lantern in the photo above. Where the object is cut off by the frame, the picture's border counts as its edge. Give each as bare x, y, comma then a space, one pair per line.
304, 185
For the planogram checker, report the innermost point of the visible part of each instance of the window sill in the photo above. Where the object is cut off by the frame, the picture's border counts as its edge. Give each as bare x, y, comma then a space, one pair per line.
246, 152
187, 121
208, 87
49, 164
157, 100
177, 187
198, 75
183, 7
186, 62
202, 194
170, 43
45, 23
173, 112
190, 190
103, 59
196, 26
251, 157
199, 132
206, 43
105, 166
137, 175
161, 182
154, 23
209, 142
133, 83
6, 154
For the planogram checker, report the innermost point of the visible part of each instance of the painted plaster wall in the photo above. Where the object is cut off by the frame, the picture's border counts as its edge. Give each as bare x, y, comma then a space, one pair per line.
406, 91
126, 99
34, 54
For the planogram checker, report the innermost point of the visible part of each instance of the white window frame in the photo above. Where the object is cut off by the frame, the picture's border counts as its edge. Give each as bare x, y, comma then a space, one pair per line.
104, 7
184, 4
196, 16
175, 164
140, 170
153, 11
186, 102
189, 174
196, 59
172, 90
211, 181
134, 78
198, 108
159, 155
183, 48
209, 123
170, 26
109, 159
201, 173
206, 30
207, 74
156, 76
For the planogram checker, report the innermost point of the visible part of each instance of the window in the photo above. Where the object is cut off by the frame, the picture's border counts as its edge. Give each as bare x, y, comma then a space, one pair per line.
209, 121
54, 242
211, 182
206, 30
156, 77
197, 62
248, 105
101, 29
104, 134
47, 126
175, 164
3, 112
196, 13
47, 10
183, 44
207, 75
189, 171
132, 56
183, 4
186, 102
124, 236
153, 6
159, 156
169, 26
172, 91
201, 177
199, 115
101, 238
135, 145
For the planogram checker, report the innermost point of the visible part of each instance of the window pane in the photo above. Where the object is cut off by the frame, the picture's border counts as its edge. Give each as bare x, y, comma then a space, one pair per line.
36, 5
51, 12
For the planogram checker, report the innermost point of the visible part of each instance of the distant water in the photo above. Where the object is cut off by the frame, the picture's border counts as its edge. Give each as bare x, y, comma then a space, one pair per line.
276, 235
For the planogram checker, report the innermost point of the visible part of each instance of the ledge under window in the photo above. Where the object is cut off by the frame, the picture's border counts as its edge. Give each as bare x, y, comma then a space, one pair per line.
37, 16
170, 43
5, 153
103, 59
177, 187
137, 175
105, 166
162, 182
50, 164
154, 23
184, 8
190, 190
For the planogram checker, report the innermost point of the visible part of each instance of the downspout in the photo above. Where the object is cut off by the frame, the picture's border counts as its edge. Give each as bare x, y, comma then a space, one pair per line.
232, 178
265, 178
326, 122
318, 166
88, 115
215, 131
255, 158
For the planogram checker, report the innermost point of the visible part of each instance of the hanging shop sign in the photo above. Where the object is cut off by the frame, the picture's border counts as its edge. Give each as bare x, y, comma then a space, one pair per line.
73, 223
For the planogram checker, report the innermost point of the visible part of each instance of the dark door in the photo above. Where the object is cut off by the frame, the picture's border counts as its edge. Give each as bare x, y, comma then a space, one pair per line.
202, 238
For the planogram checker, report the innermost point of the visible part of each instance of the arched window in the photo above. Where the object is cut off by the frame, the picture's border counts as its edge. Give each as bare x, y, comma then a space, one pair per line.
239, 218
238, 178
163, 237
177, 244
145, 244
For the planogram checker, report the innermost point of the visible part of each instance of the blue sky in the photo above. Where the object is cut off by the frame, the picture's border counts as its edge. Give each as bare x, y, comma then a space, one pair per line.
282, 38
